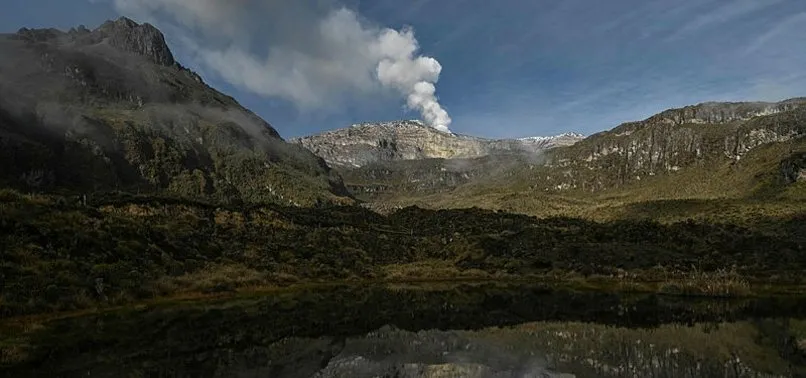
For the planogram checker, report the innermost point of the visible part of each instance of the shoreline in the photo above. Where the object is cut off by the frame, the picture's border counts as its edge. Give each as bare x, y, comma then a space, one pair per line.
602, 284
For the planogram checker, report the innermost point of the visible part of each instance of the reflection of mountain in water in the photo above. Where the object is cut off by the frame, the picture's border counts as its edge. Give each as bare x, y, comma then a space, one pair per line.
545, 349
434, 332
397, 353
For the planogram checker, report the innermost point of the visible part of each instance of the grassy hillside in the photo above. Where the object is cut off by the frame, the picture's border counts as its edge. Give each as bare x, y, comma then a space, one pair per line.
738, 192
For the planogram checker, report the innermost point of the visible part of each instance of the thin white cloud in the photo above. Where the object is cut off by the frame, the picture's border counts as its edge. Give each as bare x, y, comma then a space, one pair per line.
596, 95
794, 23
729, 11
206, 15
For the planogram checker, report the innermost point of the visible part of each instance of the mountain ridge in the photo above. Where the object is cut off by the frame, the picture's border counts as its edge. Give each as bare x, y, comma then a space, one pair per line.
153, 125
364, 143
735, 150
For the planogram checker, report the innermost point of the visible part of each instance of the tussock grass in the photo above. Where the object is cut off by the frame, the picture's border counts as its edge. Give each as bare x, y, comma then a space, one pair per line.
214, 277
722, 283
429, 270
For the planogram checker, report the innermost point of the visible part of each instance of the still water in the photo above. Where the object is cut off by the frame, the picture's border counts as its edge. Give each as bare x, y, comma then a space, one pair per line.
460, 330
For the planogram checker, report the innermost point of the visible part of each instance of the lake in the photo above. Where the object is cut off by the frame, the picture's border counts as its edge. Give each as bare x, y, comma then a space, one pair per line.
420, 330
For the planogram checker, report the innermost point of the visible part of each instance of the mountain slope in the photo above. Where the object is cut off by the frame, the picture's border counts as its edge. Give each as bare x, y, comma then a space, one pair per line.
712, 151
368, 143
695, 137
110, 109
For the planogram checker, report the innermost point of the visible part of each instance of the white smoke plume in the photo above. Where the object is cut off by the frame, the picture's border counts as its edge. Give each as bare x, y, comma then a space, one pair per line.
316, 53
412, 75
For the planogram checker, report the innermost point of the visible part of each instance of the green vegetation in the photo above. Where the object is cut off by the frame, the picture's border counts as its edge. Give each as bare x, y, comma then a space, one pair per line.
60, 253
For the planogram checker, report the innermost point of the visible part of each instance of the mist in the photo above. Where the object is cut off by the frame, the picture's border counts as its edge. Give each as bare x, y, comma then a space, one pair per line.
316, 54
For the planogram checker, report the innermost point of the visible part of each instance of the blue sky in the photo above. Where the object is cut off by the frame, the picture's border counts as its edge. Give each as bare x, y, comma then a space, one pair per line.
509, 68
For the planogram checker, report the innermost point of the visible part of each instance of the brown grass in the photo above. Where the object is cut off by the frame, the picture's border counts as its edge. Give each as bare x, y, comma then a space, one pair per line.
214, 276
723, 283
12, 354
431, 270
218, 281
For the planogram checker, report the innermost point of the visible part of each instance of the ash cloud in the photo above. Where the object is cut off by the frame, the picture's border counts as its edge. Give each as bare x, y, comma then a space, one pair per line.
314, 53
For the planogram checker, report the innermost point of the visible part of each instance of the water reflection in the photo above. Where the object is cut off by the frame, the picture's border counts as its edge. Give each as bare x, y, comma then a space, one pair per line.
481, 330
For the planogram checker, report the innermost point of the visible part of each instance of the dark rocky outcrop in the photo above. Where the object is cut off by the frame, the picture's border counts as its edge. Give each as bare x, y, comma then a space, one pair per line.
144, 40
794, 169
123, 34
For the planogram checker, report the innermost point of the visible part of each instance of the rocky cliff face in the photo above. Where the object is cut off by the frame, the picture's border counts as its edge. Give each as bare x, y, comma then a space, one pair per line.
675, 140
144, 40
723, 112
111, 109
425, 176
366, 143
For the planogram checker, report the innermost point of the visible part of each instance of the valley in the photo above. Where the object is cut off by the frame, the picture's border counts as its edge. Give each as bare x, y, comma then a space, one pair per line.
129, 182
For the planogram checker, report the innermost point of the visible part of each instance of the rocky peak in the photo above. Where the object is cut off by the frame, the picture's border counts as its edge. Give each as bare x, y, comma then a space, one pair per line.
144, 40
37, 35
398, 126
364, 143
80, 30
563, 135
123, 34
